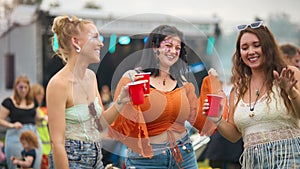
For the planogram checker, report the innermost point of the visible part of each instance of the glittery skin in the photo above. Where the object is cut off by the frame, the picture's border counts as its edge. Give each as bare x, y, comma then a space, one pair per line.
168, 44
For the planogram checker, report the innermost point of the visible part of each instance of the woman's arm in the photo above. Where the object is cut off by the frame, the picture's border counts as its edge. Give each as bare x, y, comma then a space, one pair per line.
294, 93
122, 97
288, 80
4, 112
56, 97
228, 129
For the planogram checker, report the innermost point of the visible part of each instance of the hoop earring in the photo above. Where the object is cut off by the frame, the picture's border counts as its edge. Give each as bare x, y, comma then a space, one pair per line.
78, 49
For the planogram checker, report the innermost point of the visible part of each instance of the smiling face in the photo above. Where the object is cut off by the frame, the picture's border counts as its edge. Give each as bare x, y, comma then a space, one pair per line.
251, 50
169, 51
90, 44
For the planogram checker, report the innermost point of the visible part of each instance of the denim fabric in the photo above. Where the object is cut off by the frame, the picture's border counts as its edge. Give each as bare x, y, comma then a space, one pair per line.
83, 155
163, 158
13, 147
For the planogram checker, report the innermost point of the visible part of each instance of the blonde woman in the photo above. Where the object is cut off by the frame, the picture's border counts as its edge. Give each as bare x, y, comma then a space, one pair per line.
75, 111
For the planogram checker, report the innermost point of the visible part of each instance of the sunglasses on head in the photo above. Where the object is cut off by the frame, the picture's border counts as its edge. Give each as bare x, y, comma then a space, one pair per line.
252, 25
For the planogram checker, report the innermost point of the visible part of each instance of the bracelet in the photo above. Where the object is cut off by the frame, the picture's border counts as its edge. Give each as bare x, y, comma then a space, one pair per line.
218, 122
294, 93
292, 98
119, 100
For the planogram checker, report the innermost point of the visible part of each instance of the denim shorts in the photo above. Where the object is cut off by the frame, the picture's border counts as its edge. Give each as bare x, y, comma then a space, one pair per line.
163, 157
81, 154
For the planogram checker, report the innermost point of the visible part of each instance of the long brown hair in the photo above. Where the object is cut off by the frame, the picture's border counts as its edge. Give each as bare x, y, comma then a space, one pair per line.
273, 60
16, 96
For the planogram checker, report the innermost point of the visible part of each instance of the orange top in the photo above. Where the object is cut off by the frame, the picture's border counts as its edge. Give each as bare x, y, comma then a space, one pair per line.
212, 85
161, 111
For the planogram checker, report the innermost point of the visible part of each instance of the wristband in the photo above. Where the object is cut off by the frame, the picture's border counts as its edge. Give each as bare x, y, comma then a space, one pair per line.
218, 122
293, 94
119, 100
292, 97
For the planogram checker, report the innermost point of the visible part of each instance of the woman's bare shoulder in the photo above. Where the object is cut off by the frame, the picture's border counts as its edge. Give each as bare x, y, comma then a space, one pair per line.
58, 81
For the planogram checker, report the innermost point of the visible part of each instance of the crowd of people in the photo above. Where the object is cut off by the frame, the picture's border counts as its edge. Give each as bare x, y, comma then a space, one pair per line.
63, 126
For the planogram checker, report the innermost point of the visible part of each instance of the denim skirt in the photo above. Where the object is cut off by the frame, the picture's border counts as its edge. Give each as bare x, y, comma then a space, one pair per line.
81, 154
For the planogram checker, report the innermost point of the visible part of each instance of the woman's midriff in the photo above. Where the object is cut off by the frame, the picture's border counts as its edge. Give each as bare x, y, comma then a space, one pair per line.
163, 137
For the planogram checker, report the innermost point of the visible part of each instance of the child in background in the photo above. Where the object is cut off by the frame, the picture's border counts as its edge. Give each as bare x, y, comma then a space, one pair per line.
29, 142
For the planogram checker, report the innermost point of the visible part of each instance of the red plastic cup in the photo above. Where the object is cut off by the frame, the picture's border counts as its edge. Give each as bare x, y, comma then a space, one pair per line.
214, 104
146, 77
136, 91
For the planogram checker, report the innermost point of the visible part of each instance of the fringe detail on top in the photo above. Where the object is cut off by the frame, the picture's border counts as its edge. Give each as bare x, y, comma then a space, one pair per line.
283, 154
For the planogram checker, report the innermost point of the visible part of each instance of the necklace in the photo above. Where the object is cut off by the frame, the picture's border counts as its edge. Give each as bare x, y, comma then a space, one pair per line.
164, 80
81, 86
91, 106
257, 93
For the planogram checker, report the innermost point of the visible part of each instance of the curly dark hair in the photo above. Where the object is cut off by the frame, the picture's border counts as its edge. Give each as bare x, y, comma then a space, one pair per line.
148, 60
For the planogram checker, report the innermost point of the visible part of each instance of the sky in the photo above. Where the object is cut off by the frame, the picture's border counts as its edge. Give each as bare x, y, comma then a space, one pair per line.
230, 12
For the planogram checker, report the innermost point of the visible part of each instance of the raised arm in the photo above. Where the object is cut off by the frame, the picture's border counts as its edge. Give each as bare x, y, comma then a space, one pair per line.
289, 80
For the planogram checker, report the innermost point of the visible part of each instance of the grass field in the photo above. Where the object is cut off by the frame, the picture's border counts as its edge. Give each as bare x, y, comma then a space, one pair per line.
204, 165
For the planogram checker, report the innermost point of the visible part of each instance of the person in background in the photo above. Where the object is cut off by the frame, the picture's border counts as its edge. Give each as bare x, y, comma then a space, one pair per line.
30, 143
76, 114
22, 115
291, 54
106, 96
264, 103
155, 131
42, 126
111, 148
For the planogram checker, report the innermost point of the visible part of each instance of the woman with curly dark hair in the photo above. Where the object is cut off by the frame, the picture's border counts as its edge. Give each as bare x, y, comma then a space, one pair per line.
155, 131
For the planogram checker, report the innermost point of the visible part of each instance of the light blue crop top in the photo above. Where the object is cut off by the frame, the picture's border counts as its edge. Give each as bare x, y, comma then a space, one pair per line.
80, 125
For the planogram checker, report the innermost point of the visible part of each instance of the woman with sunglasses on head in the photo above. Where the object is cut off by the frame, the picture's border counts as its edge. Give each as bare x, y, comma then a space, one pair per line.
76, 114
21, 111
264, 103
155, 131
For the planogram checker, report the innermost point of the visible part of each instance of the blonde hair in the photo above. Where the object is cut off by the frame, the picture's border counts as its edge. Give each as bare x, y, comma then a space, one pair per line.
65, 27
30, 137
37, 89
